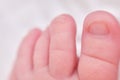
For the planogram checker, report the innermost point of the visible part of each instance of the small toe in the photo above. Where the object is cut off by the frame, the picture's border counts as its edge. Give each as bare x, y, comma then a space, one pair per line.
62, 51
41, 55
24, 59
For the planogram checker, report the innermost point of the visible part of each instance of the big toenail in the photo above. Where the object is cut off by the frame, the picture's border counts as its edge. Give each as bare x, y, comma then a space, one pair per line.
98, 28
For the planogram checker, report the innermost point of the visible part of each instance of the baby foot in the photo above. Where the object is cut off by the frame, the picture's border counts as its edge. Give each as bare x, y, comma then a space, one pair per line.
51, 55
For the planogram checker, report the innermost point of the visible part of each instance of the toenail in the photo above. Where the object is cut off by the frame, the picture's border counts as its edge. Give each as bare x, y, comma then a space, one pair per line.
98, 28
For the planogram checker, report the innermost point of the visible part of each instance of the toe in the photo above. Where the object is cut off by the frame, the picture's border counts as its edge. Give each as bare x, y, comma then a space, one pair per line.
100, 47
24, 59
62, 51
41, 51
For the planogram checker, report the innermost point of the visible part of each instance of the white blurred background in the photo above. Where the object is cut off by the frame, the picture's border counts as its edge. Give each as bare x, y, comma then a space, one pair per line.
17, 17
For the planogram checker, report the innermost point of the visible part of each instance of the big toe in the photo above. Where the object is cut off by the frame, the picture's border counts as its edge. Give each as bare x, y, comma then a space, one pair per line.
100, 47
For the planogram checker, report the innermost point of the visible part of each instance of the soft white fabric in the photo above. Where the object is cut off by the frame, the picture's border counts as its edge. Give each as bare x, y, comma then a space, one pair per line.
17, 17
